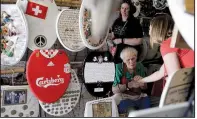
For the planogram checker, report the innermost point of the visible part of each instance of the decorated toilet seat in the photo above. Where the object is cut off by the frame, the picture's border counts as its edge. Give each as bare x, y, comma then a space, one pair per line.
48, 74
67, 29
99, 73
18, 101
68, 101
105, 107
41, 16
85, 30
14, 34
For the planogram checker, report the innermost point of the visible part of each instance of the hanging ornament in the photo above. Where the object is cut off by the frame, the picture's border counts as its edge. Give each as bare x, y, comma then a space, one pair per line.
160, 4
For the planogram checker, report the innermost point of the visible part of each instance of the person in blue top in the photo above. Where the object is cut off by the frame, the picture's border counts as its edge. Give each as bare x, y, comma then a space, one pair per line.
125, 86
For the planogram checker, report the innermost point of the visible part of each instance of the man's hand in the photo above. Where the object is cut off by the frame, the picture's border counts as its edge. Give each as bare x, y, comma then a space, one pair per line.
138, 78
117, 41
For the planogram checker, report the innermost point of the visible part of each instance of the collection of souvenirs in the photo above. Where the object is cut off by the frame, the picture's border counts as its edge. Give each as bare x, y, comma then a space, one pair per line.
7, 30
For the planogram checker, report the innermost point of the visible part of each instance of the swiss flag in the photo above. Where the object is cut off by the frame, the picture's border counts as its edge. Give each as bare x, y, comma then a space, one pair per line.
36, 10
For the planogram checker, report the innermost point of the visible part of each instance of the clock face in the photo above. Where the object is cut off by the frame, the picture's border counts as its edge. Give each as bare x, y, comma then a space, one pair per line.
14, 34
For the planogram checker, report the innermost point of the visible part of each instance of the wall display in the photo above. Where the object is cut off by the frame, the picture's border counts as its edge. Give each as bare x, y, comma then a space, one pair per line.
48, 74
18, 101
183, 20
85, 27
177, 87
148, 9
68, 101
67, 29
41, 16
14, 34
105, 107
99, 73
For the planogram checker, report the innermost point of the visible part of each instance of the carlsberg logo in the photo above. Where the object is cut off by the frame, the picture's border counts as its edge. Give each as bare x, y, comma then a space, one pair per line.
41, 82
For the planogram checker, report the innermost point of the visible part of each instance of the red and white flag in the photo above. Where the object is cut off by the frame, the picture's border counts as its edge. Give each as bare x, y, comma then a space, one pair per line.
36, 10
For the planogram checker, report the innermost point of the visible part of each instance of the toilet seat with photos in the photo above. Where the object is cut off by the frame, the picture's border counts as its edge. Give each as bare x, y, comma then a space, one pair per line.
18, 101
105, 107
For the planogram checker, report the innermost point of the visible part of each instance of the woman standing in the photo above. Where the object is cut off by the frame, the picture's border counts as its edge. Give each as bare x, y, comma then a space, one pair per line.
126, 30
174, 58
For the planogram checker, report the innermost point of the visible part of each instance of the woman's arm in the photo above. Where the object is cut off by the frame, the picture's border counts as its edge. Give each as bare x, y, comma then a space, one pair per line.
171, 62
154, 77
132, 41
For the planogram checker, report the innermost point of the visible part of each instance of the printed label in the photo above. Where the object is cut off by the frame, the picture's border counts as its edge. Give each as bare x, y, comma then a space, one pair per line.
41, 82
67, 68
98, 89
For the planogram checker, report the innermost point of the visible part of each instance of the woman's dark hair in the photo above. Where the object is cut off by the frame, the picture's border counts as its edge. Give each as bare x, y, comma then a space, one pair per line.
132, 8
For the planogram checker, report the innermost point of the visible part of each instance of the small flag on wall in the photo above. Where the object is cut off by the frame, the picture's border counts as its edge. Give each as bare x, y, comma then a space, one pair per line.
36, 10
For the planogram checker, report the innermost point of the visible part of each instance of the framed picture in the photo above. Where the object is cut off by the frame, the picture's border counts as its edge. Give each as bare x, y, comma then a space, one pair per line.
102, 109
14, 97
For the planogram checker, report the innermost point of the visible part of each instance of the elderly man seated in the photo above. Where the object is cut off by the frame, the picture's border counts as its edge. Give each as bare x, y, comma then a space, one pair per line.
128, 93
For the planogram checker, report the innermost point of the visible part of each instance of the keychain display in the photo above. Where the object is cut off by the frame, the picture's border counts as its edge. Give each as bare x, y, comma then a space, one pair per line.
105, 107
68, 101
99, 73
85, 30
67, 29
48, 74
14, 34
18, 101
41, 16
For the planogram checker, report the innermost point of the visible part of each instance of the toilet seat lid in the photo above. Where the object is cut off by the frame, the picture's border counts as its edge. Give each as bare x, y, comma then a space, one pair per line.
48, 74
